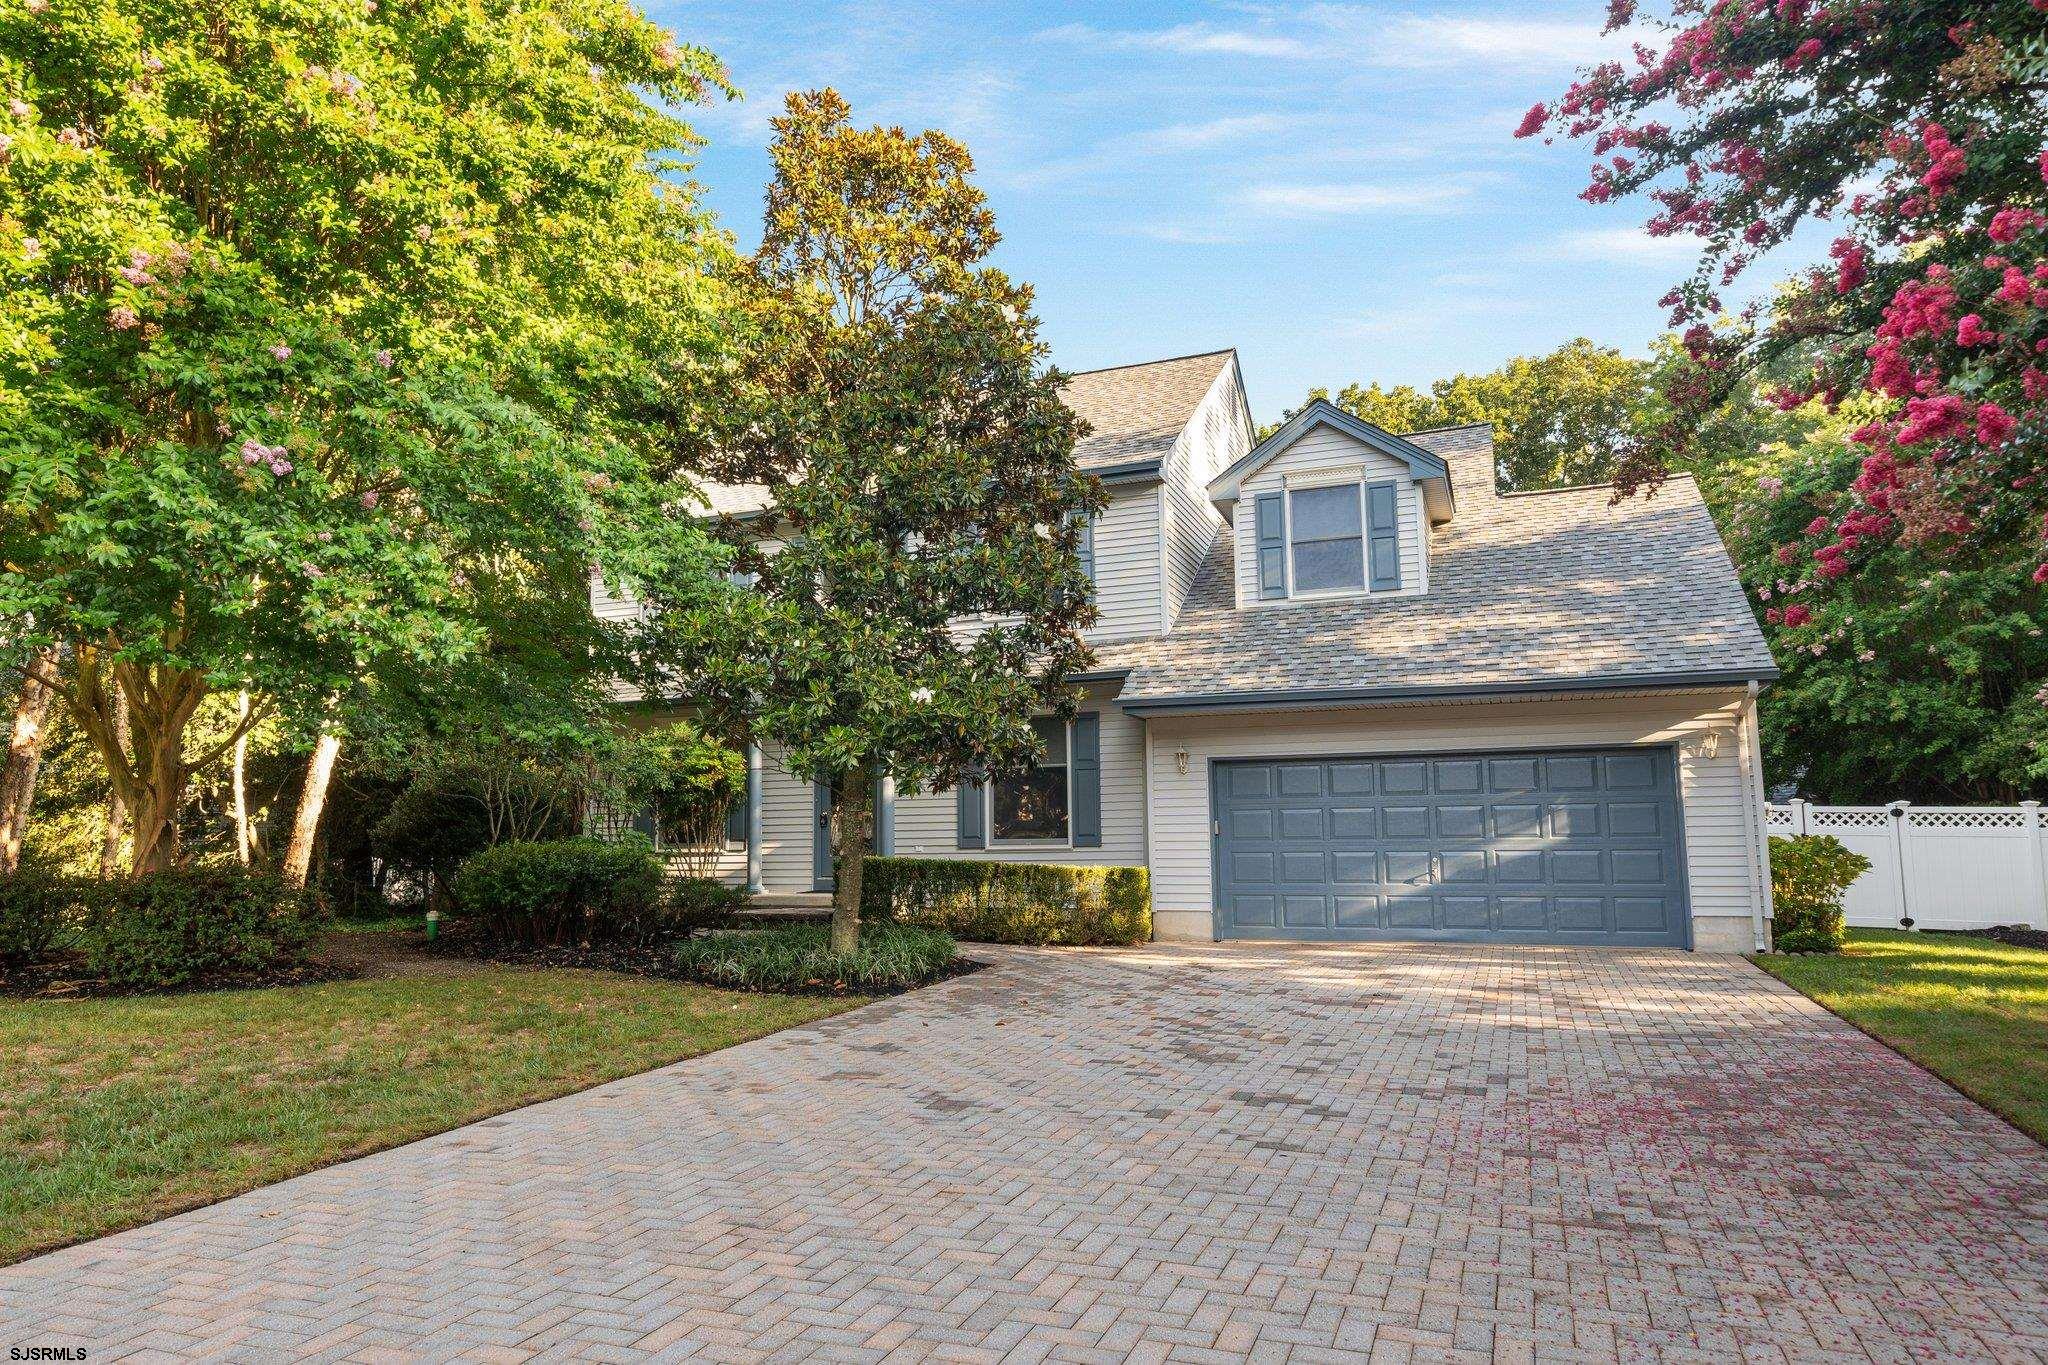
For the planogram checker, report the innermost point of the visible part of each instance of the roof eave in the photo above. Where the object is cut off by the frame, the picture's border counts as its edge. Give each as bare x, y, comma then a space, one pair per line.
1223, 489
1296, 698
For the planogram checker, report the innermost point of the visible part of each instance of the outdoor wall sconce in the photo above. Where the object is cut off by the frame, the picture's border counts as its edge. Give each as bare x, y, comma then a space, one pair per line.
1180, 761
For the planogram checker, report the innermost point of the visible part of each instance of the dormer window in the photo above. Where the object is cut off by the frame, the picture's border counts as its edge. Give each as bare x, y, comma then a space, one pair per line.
1320, 538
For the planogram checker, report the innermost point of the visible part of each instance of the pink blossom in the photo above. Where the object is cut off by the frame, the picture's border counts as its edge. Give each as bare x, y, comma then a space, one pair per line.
253, 451
1971, 331
71, 137
324, 537
19, 108
1947, 162
2043, 164
1533, 121
1804, 53
152, 62
2008, 223
1797, 615
667, 53
369, 498
383, 359
280, 467
313, 570
1995, 425
31, 248
38, 6
136, 275
122, 318
281, 351
1866, 656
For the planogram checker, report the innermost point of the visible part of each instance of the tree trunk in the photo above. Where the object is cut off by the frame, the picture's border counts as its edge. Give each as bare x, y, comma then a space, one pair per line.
242, 841
298, 858
853, 815
117, 809
160, 759
24, 757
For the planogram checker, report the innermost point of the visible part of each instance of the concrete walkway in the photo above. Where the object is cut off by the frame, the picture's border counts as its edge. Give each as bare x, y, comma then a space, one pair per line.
1201, 1153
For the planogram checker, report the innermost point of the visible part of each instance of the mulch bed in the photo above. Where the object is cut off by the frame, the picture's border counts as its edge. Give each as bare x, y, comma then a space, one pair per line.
2012, 935
66, 978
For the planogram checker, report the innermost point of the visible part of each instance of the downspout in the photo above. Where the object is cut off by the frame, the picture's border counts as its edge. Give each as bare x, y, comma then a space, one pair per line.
1755, 850
1145, 794
753, 819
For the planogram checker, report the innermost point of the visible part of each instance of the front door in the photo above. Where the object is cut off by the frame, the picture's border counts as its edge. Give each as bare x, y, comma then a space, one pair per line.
821, 836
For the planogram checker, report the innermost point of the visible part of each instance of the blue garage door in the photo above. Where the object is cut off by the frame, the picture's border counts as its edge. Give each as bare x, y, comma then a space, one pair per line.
1501, 847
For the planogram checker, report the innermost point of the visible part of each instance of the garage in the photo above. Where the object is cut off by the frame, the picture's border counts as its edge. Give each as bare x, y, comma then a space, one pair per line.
1577, 847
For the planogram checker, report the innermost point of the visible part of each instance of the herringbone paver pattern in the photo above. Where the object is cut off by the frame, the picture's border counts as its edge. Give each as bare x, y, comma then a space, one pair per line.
1168, 1153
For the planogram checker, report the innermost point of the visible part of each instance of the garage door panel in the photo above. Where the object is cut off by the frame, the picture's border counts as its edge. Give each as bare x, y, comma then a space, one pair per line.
1355, 869
1464, 912
1302, 912
1461, 822
1252, 823
1463, 865
1456, 776
1351, 823
1405, 822
1255, 912
1575, 847
1301, 869
1297, 822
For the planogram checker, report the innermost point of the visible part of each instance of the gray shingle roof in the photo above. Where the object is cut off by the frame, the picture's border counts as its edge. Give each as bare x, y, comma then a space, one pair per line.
1139, 411
1534, 589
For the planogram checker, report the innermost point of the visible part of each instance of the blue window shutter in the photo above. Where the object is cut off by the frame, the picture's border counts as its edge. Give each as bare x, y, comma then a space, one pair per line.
968, 811
1272, 538
1087, 547
736, 821
1084, 779
1383, 534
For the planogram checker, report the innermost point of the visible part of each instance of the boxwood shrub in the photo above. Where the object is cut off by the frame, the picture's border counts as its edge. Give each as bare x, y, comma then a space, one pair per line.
991, 902
563, 892
1810, 874
798, 958
177, 928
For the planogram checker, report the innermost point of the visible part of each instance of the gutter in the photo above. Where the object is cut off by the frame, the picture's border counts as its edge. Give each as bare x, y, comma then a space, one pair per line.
1295, 698
1135, 471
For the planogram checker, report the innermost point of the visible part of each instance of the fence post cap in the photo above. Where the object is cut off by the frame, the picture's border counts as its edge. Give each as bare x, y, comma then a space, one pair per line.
2030, 805
1898, 808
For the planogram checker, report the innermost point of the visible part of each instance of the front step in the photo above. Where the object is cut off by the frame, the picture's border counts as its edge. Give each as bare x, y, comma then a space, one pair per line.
791, 905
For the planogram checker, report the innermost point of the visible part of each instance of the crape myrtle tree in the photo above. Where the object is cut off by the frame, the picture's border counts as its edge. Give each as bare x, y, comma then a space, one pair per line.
890, 393
312, 321
1920, 131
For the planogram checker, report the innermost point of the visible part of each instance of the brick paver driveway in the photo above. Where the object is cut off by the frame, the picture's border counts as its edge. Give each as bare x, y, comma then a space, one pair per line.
1198, 1153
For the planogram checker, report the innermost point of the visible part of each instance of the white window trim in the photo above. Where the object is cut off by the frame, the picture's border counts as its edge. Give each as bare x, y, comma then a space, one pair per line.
1326, 478
988, 809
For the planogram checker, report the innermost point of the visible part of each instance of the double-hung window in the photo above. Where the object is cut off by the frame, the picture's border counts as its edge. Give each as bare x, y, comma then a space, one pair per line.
1035, 805
1318, 538
1328, 535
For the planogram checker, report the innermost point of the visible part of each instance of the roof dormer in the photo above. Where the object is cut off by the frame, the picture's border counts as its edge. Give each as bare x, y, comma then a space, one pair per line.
1320, 416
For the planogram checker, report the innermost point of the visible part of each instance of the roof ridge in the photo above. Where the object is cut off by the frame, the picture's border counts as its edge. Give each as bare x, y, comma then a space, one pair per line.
1685, 474
1455, 426
1141, 364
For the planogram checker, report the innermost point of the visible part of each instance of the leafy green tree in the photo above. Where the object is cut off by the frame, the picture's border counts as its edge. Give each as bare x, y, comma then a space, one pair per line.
316, 323
923, 597
1559, 419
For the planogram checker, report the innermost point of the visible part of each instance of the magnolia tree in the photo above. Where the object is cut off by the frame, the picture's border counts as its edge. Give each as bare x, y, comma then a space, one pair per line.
318, 327
889, 394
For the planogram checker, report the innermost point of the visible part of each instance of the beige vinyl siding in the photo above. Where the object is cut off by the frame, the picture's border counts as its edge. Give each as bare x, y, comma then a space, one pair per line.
1327, 448
607, 607
926, 825
788, 812
1218, 434
1127, 565
1710, 787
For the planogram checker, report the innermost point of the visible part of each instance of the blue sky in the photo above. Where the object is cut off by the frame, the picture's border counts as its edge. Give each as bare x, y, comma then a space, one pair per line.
1330, 188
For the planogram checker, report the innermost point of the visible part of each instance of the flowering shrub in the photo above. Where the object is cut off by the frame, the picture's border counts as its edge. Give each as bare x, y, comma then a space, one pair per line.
1921, 132
1810, 873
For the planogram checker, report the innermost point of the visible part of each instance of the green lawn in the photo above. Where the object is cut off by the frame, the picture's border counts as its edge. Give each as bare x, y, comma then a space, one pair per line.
115, 1112
1972, 1011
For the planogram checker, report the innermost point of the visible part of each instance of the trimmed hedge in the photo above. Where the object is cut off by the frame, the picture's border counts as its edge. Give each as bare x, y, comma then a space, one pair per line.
564, 892
1810, 873
798, 958
1030, 903
169, 929
37, 906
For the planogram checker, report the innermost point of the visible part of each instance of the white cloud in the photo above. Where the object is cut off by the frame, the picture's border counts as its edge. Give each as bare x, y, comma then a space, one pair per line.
1357, 197
1187, 137
1418, 41
1618, 245
1190, 40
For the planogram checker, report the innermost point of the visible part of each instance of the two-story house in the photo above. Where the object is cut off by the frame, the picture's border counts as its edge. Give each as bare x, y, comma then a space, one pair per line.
1348, 690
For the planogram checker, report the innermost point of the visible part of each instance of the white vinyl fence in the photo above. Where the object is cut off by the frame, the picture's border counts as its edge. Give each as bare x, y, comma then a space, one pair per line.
1947, 867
